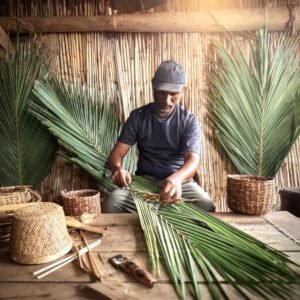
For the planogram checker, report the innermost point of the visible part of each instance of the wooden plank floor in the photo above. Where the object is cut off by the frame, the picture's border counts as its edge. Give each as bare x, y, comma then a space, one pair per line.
281, 230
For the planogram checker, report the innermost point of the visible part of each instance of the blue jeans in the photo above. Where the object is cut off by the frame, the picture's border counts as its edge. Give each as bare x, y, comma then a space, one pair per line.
121, 200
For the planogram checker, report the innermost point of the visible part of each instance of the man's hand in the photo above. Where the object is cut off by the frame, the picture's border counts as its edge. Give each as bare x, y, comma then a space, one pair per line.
121, 178
170, 191
171, 188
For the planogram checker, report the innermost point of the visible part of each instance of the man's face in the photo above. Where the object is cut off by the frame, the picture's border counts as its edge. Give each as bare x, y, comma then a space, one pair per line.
165, 101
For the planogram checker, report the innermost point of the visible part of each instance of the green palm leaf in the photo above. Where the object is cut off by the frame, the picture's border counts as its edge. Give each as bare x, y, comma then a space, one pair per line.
192, 245
253, 103
83, 127
26, 147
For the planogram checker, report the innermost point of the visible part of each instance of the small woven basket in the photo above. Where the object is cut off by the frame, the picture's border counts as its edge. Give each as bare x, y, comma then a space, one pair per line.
39, 234
18, 194
13, 195
251, 195
77, 203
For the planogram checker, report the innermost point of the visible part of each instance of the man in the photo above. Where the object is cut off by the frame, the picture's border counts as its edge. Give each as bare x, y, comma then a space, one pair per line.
167, 138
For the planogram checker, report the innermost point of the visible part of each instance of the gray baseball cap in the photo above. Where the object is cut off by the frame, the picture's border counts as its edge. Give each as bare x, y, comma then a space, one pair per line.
169, 76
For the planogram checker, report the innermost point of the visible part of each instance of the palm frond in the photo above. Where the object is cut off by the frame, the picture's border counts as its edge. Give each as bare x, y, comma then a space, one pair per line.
195, 244
297, 115
253, 103
192, 245
26, 147
84, 127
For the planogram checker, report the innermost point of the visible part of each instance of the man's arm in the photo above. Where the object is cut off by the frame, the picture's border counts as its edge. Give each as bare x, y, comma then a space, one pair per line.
171, 187
120, 176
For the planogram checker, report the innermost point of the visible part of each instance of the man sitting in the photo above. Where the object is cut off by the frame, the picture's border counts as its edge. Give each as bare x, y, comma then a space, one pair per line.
167, 137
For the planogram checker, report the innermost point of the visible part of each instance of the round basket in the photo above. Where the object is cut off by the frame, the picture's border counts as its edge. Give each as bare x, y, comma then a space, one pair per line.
251, 195
39, 234
13, 195
77, 203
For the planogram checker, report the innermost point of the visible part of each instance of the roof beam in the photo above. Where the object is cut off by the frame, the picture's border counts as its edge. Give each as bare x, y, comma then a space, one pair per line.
193, 21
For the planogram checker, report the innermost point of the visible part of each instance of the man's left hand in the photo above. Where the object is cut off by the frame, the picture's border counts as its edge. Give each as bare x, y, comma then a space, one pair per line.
170, 191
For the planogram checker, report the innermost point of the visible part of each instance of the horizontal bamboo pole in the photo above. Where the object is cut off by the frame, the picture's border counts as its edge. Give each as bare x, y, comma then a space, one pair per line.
193, 21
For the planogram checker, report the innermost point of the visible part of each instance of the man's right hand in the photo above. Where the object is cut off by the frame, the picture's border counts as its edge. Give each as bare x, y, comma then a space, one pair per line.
121, 178
170, 191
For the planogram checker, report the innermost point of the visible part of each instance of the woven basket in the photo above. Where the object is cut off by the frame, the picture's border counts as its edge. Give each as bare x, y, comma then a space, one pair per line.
18, 194
251, 195
13, 195
39, 234
77, 203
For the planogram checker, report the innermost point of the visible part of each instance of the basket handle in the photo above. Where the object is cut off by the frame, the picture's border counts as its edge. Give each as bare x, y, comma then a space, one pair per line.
36, 195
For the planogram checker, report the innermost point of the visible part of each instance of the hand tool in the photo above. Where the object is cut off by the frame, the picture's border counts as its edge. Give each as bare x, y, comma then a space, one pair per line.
72, 222
128, 266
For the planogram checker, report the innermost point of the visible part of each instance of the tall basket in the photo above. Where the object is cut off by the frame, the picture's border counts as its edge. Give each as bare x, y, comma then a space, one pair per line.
251, 195
13, 195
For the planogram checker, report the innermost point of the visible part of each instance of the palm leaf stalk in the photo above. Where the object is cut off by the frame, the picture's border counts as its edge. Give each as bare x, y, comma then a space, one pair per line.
26, 147
192, 245
253, 102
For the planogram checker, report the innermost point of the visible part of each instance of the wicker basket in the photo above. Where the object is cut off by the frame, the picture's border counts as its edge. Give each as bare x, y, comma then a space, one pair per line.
18, 194
77, 203
13, 195
39, 234
251, 195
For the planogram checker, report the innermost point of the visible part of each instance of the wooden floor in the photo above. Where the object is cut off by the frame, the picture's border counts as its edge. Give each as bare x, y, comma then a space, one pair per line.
281, 230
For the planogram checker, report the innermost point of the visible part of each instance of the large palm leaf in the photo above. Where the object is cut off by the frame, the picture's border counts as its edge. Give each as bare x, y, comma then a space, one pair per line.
253, 102
82, 126
190, 243
26, 147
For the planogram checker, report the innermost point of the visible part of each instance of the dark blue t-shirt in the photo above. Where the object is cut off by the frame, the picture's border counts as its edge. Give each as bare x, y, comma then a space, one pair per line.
161, 141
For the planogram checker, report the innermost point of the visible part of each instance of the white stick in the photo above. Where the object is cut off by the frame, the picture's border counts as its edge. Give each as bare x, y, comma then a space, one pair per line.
66, 260
53, 265
56, 268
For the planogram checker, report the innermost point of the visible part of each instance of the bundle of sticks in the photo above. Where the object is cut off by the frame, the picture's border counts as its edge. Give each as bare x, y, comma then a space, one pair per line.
91, 268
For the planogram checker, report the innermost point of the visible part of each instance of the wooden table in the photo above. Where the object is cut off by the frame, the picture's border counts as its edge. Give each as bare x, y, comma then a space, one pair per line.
278, 229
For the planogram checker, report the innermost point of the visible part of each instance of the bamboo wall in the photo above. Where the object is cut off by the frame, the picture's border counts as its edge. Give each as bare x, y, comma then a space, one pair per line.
119, 67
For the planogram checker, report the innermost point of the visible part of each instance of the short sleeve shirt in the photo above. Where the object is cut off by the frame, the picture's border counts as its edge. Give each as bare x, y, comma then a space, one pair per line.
161, 142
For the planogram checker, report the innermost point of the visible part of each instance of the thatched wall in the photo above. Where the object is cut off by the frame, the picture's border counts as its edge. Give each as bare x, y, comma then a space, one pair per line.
119, 67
